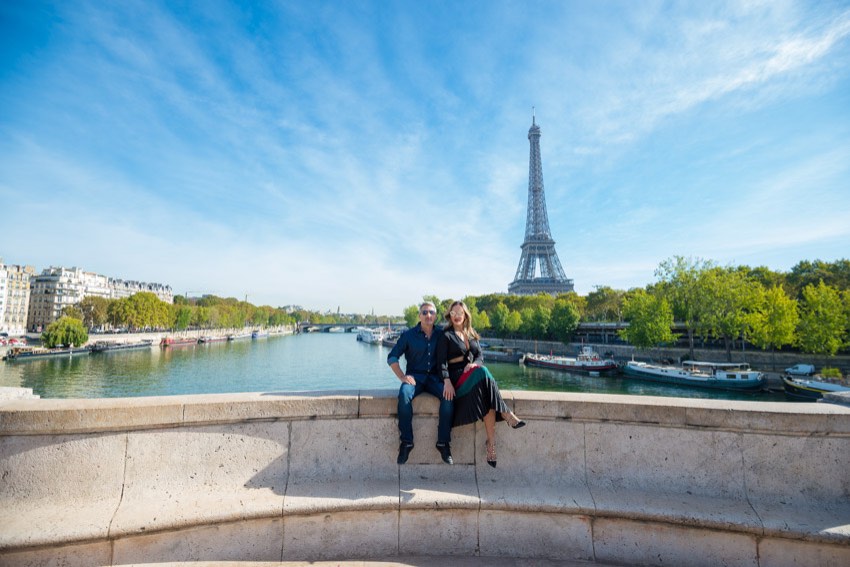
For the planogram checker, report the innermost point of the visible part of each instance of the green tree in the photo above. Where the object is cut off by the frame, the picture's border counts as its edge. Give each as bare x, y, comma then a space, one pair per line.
482, 322
564, 321
65, 331
605, 304
773, 322
499, 319
833, 274
729, 297
822, 324
540, 319
526, 327
146, 310
95, 311
411, 315
72, 311
650, 320
182, 316
513, 322
682, 284
118, 312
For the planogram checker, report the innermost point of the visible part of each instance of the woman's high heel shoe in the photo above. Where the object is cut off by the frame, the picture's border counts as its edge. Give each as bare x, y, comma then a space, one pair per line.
491, 454
514, 421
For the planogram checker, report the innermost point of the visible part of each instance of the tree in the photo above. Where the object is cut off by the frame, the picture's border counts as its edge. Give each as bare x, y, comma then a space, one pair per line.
482, 322
513, 322
526, 327
729, 298
72, 311
682, 284
499, 319
605, 304
822, 326
411, 315
564, 321
182, 316
773, 322
650, 320
118, 312
94, 310
540, 319
65, 331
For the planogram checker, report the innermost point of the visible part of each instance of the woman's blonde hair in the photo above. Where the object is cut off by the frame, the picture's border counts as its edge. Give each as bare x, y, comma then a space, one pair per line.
467, 319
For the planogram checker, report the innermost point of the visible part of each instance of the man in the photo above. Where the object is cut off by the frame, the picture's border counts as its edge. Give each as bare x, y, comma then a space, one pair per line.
419, 347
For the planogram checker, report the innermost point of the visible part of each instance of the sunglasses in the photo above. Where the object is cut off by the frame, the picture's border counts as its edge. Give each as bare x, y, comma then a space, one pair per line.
428, 312
457, 313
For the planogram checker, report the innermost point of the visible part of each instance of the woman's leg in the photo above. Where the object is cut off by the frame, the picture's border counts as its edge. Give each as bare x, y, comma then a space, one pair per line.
490, 427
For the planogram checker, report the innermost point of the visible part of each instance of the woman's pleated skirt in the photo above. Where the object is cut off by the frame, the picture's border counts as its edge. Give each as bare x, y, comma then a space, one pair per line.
476, 394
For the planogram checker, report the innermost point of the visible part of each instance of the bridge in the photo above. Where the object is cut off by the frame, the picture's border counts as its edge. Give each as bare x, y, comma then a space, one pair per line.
270, 477
307, 327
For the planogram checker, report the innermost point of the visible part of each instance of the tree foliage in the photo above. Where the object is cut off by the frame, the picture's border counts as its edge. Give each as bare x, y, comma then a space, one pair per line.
773, 322
564, 320
650, 319
823, 325
66, 331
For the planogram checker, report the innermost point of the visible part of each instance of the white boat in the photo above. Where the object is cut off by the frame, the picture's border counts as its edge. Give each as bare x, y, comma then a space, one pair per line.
586, 361
810, 389
715, 375
371, 336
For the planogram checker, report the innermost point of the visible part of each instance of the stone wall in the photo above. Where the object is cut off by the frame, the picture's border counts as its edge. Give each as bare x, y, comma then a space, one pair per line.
271, 477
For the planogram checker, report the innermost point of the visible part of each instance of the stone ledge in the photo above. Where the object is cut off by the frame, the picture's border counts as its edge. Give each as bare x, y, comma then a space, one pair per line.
302, 478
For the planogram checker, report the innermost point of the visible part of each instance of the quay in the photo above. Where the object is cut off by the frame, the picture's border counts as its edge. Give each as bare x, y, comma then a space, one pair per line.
288, 478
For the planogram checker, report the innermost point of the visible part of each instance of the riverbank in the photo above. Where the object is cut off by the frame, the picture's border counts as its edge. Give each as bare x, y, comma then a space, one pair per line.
769, 363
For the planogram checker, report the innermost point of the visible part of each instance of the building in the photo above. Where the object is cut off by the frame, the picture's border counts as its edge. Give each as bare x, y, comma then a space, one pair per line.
57, 288
120, 289
50, 292
14, 298
539, 268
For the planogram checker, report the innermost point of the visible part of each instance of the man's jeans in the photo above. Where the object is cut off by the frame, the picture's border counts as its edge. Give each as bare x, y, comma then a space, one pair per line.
434, 386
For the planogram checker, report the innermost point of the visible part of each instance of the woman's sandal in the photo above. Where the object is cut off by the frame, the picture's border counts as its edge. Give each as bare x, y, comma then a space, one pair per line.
513, 420
491, 453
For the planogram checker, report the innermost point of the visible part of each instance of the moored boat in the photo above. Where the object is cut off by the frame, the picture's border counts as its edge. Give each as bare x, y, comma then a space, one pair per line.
238, 336
390, 338
371, 336
809, 388
107, 346
259, 334
715, 375
28, 353
586, 361
177, 341
212, 339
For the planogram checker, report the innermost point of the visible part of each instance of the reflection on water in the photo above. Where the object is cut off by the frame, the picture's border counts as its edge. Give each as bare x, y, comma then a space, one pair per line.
284, 364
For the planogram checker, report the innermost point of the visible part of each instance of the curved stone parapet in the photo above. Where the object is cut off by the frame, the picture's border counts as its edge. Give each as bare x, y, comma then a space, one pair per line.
283, 477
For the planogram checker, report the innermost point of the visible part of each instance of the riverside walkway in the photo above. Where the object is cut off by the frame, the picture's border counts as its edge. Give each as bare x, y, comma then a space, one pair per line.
287, 478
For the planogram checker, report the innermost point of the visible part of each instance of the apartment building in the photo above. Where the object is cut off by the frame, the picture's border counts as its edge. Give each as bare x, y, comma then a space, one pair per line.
56, 288
50, 292
14, 297
121, 288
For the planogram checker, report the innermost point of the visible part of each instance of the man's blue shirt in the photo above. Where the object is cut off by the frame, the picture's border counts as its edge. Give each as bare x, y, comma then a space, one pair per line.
420, 352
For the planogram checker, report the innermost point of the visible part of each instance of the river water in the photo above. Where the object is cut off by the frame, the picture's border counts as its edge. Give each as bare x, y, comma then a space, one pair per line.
316, 361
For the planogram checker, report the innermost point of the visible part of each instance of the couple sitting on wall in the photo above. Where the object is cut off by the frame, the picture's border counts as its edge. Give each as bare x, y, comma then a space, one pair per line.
446, 363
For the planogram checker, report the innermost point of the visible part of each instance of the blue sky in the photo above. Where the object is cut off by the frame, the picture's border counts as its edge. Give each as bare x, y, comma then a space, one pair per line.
361, 154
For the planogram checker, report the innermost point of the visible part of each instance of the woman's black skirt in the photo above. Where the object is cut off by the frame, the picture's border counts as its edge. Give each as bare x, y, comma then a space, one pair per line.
476, 396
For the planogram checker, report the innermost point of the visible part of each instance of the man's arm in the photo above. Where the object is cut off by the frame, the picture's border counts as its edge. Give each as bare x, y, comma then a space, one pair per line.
393, 360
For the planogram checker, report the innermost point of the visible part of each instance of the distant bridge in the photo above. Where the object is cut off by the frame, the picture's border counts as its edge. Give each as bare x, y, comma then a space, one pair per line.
306, 327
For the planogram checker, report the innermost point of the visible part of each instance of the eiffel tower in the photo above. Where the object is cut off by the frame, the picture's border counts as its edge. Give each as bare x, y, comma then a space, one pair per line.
538, 250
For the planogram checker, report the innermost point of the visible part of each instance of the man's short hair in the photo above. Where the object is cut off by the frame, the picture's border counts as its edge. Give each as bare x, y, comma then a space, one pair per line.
424, 303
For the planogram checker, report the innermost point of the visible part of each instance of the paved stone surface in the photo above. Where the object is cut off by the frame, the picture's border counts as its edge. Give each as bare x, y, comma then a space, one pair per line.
409, 561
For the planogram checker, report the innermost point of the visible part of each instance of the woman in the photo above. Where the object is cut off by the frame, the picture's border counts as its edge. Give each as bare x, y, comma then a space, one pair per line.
468, 382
